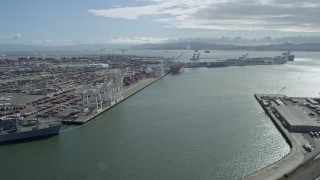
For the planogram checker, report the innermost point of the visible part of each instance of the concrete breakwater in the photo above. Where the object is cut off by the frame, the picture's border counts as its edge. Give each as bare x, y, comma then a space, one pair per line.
125, 94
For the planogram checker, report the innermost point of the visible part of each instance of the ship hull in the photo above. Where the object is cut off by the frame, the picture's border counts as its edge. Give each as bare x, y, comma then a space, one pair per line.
291, 58
217, 65
176, 69
31, 134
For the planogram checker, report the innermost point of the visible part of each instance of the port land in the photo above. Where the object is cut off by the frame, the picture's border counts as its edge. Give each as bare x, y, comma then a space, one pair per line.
75, 90
72, 90
124, 95
297, 119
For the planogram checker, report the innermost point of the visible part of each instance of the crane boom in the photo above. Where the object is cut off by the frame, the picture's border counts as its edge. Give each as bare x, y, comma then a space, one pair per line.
281, 91
243, 56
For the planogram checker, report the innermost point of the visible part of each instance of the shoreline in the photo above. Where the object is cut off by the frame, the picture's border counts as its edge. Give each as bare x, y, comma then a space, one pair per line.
288, 163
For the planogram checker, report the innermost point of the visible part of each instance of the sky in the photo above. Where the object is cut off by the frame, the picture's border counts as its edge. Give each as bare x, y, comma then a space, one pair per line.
67, 22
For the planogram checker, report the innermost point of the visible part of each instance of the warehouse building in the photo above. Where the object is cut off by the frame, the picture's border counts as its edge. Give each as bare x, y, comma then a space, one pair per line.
296, 120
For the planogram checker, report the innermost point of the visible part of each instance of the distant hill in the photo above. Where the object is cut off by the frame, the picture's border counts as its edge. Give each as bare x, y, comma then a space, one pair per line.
164, 46
203, 46
27, 47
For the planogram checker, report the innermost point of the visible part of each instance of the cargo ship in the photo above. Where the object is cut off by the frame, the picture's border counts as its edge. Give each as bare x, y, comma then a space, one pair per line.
289, 55
243, 61
176, 69
15, 128
216, 64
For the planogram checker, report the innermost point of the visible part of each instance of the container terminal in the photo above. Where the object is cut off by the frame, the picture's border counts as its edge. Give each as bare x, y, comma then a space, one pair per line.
298, 120
195, 61
38, 93
74, 90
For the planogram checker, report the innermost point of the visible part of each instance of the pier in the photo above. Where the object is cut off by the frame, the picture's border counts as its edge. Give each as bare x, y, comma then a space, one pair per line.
288, 163
241, 61
126, 93
72, 90
297, 119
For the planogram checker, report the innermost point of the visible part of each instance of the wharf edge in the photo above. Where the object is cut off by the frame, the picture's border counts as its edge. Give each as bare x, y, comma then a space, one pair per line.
283, 166
91, 117
279, 127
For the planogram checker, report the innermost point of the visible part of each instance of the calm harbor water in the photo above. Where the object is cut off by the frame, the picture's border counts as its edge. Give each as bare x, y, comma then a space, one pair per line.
201, 124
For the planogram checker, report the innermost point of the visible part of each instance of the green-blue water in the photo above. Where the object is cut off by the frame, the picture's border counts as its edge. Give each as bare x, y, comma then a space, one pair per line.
201, 124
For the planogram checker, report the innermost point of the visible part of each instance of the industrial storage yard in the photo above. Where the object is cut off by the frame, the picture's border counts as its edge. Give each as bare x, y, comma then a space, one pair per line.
298, 120
72, 90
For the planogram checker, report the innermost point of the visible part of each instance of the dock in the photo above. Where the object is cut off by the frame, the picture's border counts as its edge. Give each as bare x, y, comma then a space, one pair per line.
126, 93
288, 163
73, 90
298, 120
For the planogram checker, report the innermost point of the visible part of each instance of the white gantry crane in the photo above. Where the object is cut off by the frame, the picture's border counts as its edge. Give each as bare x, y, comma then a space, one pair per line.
2, 56
110, 90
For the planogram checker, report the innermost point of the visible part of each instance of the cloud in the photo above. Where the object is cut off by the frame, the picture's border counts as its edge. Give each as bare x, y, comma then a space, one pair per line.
15, 37
154, 7
139, 40
57, 41
121, 40
42, 41
282, 15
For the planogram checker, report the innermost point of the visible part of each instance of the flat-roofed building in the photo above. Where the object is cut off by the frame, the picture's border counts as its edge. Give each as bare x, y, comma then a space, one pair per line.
312, 101
296, 120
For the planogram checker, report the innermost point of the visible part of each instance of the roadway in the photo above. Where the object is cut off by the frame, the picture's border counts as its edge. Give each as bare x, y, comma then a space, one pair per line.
308, 171
311, 168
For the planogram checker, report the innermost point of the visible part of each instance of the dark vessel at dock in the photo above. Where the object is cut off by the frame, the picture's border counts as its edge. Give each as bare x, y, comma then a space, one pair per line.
243, 61
216, 64
15, 128
177, 68
289, 55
